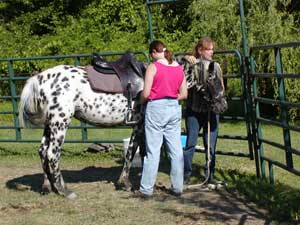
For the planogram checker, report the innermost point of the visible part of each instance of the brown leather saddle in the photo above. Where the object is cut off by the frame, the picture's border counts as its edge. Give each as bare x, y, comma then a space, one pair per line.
125, 75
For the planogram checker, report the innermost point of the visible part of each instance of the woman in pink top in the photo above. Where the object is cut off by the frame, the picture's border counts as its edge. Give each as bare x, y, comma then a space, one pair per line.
165, 84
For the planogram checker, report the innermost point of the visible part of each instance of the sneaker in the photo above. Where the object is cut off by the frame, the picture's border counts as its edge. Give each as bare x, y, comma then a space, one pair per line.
212, 182
176, 194
139, 194
186, 180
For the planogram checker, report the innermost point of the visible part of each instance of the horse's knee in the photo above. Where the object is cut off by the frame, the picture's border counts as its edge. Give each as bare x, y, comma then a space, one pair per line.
53, 160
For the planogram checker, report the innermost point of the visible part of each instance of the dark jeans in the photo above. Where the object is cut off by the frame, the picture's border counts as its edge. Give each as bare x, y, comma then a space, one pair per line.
194, 121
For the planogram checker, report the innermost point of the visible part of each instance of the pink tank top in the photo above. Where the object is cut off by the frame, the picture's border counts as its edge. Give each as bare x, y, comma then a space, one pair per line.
166, 82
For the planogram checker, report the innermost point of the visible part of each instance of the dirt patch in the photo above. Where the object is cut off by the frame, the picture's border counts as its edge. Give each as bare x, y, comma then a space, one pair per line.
99, 202
220, 206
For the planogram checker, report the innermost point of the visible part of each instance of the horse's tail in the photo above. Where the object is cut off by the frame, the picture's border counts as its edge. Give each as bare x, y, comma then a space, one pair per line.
30, 112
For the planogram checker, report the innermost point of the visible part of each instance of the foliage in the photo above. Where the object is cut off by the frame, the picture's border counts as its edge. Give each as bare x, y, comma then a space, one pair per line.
61, 28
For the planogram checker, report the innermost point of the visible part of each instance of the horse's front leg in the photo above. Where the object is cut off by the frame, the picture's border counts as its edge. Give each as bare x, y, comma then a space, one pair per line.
124, 177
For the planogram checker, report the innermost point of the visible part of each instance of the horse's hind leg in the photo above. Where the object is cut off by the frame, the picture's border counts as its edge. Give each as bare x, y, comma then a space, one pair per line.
50, 151
46, 187
57, 137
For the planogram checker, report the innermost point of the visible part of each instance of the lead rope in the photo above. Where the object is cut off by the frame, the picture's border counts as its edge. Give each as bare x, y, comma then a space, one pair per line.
208, 157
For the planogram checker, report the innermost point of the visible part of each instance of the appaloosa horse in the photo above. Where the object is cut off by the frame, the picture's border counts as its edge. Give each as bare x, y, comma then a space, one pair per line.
55, 95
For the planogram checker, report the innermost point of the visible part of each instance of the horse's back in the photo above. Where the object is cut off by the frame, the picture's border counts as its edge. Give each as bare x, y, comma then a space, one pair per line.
65, 90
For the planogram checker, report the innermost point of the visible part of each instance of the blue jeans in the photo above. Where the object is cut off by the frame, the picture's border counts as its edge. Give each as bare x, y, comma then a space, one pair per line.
194, 122
162, 123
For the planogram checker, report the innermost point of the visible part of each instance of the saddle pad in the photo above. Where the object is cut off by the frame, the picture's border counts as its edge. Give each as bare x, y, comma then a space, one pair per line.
103, 82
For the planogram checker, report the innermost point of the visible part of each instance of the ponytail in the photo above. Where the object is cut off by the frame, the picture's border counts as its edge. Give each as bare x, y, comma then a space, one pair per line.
169, 56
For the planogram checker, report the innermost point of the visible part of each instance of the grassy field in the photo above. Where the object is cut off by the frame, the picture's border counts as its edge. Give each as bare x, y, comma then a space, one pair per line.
246, 199
93, 178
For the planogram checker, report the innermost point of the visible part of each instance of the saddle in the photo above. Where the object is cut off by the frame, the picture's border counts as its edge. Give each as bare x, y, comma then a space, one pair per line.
118, 76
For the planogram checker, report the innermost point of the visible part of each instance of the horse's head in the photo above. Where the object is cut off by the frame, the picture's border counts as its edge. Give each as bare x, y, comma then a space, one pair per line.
215, 90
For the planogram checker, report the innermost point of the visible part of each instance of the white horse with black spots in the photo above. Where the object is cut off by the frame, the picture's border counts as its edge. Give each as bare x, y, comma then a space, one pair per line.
54, 96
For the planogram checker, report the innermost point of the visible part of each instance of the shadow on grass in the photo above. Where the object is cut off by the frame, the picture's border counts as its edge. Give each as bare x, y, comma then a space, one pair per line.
281, 201
86, 175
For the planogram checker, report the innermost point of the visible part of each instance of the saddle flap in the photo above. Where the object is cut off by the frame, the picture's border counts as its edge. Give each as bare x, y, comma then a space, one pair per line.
109, 83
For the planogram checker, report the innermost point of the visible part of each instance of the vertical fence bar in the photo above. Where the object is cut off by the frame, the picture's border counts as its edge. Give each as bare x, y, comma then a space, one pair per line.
84, 130
256, 126
149, 17
271, 173
249, 91
243, 28
13, 94
247, 107
284, 110
77, 61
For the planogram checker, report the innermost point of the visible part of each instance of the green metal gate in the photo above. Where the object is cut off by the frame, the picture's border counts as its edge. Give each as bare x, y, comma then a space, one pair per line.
288, 147
13, 78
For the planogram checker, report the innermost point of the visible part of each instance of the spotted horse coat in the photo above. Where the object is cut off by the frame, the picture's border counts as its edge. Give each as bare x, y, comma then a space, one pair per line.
52, 98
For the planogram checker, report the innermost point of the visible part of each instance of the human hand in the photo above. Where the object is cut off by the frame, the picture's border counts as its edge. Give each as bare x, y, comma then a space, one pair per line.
190, 58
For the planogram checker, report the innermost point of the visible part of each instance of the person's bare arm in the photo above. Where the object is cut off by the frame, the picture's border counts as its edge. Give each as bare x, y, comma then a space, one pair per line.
150, 73
183, 92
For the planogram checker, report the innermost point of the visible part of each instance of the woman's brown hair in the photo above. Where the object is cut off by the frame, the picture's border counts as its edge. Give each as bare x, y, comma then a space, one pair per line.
160, 47
203, 43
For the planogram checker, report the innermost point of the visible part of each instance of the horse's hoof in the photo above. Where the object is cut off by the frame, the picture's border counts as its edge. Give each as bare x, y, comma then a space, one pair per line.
124, 185
71, 195
127, 186
45, 191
